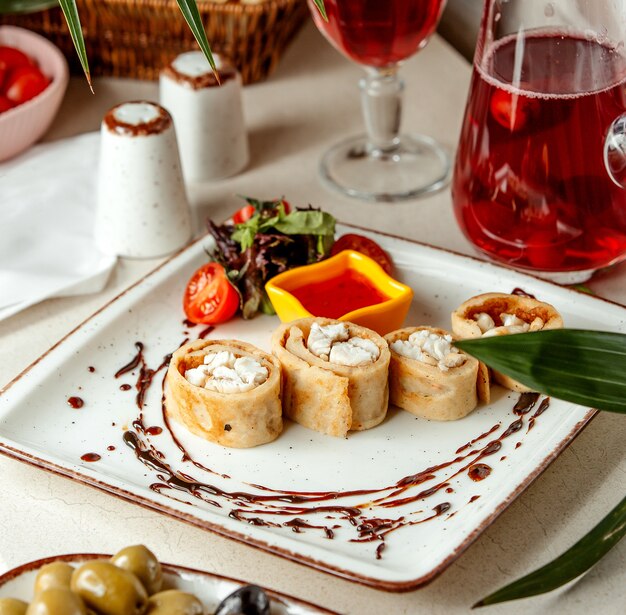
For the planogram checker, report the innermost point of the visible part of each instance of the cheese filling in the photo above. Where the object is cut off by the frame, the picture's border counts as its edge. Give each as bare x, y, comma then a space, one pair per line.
333, 343
224, 372
511, 324
430, 348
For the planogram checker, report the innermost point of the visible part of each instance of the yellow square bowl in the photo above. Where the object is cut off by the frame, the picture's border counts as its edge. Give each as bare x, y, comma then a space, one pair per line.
382, 317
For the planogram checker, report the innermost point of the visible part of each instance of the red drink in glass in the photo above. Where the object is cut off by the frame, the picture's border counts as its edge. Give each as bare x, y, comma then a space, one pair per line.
379, 33
383, 165
530, 185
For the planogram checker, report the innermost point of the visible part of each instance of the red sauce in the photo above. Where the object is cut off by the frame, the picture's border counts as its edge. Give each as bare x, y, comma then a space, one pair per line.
337, 296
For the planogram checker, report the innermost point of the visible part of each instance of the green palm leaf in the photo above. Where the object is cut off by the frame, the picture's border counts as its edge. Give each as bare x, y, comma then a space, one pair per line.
76, 32
583, 367
188, 8
190, 12
321, 8
576, 560
25, 6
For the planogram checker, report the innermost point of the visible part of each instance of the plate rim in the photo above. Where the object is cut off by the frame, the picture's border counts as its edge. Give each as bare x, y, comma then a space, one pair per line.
36, 564
311, 562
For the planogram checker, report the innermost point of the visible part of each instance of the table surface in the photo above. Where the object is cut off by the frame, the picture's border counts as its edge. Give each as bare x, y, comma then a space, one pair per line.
310, 100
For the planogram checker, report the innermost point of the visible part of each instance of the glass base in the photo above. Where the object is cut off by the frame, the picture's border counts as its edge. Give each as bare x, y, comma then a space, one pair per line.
415, 166
564, 278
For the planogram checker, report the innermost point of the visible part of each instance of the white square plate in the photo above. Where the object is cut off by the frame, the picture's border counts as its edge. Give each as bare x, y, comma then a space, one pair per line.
434, 515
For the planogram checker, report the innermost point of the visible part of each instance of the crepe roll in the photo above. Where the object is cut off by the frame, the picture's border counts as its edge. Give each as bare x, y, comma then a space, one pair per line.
226, 391
432, 379
494, 314
335, 375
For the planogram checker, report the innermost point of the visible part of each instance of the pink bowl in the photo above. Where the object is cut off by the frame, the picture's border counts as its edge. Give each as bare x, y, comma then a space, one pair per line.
21, 126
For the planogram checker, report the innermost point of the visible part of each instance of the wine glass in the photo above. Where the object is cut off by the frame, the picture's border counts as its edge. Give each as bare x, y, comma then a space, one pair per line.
382, 165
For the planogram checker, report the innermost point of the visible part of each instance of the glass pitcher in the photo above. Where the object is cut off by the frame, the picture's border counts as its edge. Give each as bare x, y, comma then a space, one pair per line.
541, 166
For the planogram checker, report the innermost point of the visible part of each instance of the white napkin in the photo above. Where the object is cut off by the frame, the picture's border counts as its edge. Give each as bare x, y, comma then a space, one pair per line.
47, 212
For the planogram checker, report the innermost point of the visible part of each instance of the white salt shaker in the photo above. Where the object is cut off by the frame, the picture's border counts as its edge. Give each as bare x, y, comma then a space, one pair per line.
208, 117
143, 210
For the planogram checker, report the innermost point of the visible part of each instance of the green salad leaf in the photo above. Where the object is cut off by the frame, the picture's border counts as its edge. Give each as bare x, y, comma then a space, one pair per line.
298, 222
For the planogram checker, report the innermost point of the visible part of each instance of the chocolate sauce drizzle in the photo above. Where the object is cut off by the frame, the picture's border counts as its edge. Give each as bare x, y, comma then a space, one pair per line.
146, 375
205, 332
479, 471
90, 457
520, 292
352, 511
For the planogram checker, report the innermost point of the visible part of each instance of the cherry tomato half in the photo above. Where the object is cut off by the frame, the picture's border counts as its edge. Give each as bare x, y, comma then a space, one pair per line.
244, 214
209, 297
247, 211
366, 246
24, 83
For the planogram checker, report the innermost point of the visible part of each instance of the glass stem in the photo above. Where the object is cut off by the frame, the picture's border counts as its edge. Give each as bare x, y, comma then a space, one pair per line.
381, 98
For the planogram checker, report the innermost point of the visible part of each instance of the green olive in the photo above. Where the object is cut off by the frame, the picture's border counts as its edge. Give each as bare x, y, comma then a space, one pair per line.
143, 564
12, 606
109, 590
56, 601
57, 574
174, 602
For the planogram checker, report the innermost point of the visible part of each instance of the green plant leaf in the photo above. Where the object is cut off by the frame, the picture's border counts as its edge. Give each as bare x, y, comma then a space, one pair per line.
571, 564
582, 288
190, 12
25, 6
321, 8
76, 32
583, 367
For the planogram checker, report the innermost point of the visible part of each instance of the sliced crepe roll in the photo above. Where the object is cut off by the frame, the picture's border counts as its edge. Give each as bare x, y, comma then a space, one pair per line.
226, 391
432, 379
335, 374
494, 314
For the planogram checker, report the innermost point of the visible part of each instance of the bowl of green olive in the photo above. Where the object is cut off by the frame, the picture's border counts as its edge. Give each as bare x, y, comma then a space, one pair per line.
134, 582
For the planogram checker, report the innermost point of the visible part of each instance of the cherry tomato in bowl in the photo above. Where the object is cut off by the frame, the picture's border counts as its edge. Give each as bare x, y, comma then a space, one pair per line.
5, 104
23, 83
210, 298
21, 125
10, 57
366, 246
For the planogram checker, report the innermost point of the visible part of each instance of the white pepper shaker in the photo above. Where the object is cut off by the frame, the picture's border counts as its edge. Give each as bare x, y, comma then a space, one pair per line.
143, 210
208, 116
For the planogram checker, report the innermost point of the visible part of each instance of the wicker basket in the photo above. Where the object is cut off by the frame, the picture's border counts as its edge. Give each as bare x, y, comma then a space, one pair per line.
136, 38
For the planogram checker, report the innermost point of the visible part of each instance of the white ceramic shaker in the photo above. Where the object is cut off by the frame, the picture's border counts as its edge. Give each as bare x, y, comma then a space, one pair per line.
208, 116
143, 210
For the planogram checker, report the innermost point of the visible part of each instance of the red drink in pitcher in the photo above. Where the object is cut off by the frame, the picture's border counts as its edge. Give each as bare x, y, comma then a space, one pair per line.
379, 32
530, 185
